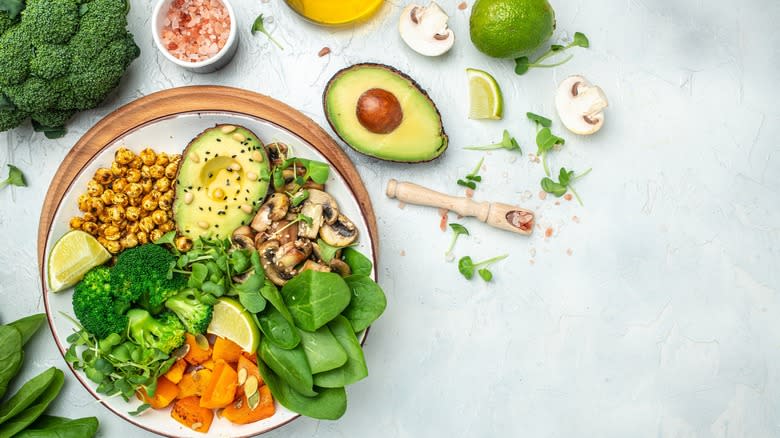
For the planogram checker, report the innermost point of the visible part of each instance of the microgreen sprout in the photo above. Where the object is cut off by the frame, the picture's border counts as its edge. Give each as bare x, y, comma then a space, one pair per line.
457, 231
546, 141
466, 266
522, 64
541, 121
15, 178
564, 184
259, 26
298, 197
507, 142
472, 178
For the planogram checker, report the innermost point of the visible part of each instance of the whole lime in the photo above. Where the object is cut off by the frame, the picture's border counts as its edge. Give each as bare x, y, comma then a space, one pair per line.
511, 28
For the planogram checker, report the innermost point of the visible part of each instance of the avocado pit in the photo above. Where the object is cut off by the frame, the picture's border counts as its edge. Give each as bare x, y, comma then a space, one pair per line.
379, 111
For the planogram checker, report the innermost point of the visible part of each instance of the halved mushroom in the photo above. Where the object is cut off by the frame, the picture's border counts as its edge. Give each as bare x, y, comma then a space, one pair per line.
330, 209
425, 30
580, 105
268, 251
311, 265
274, 209
340, 234
292, 254
340, 267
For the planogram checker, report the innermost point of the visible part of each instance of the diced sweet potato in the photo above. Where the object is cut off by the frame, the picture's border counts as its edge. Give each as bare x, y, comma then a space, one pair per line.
251, 370
222, 387
196, 355
194, 383
165, 393
188, 412
226, 350
239, 412
177, 371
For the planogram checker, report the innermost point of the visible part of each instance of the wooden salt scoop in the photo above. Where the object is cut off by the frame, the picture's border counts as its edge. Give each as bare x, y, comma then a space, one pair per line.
503, 216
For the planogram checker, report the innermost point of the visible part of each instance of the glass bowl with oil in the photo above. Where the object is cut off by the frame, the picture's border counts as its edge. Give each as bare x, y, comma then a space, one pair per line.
335, 12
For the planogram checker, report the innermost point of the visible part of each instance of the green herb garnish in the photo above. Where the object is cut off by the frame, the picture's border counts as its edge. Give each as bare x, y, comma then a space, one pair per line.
507, 142
522, 64
259, 26
466, 266
564, 184
457, 230
541, 121
545, 142
472, 178
15, 178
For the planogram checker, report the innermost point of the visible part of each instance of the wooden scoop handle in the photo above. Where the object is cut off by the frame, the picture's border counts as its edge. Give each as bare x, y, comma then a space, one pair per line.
503, 216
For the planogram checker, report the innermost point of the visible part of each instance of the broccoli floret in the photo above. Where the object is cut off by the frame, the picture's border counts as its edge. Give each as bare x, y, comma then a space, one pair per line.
195, 315
62, 56
142, 273
164, 333
97, 308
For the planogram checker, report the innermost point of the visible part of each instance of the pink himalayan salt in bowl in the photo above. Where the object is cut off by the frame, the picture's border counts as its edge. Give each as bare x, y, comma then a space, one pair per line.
198, 35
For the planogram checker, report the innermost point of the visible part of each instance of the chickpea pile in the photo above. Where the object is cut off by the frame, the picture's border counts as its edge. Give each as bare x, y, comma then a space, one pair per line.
131, 202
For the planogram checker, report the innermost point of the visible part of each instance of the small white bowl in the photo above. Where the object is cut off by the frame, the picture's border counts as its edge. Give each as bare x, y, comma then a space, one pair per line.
221, 59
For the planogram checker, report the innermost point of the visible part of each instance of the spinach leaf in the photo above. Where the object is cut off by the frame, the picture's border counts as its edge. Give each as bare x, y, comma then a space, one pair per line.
249, 293
278, 329
327, 252
26, 395
323, 351
329, 404
358, 263
11, 355
271, 293
290, 365
27, 326
30, 414
314, 298
355, 369
58, 427
367, 304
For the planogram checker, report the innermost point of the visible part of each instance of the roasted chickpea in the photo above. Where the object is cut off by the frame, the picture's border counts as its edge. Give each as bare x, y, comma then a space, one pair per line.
76, 222
129, 241
118, 170
136, 163
171, 169
96, 206
155, 235
168, 226
143, 237
148, 156
162, 185
149, 203
148, 185
113, 247
159, 217
133, 213
89, 217
156, 171
119, 199
104, 176
133, 175
103, 241
162, 159
166, 200
116, 213
89, 227
84, 202
183, 243
136, 202
146, 224
112, 232
119, 185
107, 197
101, 228
123, 155
94, 188
134, 190
132, 227
122, 225
145, 172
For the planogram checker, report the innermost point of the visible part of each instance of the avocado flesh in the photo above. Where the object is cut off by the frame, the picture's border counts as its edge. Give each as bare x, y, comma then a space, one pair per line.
205, 172
419, 137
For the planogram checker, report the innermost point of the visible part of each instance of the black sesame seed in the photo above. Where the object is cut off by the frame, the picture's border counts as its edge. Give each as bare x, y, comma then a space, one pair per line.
233, 156
208, 152
219, 139
242, 151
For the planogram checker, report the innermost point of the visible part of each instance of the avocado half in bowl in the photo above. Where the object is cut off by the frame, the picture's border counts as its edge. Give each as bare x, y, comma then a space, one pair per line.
380, 111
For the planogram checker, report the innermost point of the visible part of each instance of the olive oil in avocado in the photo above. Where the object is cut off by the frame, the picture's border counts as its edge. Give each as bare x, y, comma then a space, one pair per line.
332, 12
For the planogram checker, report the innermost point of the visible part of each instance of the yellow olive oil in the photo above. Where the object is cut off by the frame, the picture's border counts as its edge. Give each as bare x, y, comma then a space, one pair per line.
335, 12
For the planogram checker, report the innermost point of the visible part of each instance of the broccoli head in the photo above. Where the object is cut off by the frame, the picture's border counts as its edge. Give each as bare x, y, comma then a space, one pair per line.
195, 315
164, 333
61, 56
142, 273
99, 310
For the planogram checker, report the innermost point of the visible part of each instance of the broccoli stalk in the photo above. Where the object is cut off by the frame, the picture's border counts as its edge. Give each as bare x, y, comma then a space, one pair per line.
195, 315
100, 311
164, 333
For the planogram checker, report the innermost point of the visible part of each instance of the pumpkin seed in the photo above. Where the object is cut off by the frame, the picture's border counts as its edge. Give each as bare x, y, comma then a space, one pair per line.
242, 374
202, 342
250, 387
254, 400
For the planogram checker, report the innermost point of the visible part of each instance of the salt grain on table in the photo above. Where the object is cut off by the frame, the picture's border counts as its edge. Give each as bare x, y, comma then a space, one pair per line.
196, 30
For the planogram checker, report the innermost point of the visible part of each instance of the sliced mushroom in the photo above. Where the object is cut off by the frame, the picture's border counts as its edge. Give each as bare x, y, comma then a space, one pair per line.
277, 153
311, 265
242, 241
340, 234
580, 105
339, 266
313, 185
424, 29
292, 254
268, 251
288, 232
260, 238
244, 230
274, 209
330, 209
314, 211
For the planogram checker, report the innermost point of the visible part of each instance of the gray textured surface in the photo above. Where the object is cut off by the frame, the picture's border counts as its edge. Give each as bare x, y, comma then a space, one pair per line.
663, 321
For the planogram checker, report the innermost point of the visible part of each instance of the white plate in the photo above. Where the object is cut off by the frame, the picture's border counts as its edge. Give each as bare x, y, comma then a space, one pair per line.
171, 135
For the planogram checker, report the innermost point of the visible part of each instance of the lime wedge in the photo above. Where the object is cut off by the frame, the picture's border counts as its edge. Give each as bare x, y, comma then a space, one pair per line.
71, 257
232, 321
487, 102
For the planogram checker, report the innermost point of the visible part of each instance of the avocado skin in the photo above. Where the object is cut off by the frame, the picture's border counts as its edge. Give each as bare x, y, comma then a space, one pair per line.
403, 75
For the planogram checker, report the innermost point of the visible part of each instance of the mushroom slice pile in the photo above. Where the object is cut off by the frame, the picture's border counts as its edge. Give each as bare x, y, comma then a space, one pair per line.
425, 30
580, 105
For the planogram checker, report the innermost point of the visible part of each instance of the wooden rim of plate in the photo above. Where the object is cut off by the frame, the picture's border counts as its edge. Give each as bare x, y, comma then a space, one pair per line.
167, 103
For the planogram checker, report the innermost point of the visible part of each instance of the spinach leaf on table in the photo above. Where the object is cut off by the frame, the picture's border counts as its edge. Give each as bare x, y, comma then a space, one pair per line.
277, 329
329, 404
31, 413
355, 369
314, 298
291, 365
323, 350
27, 394
11, 355
367, 304
358, 263
28, 325
58, 427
